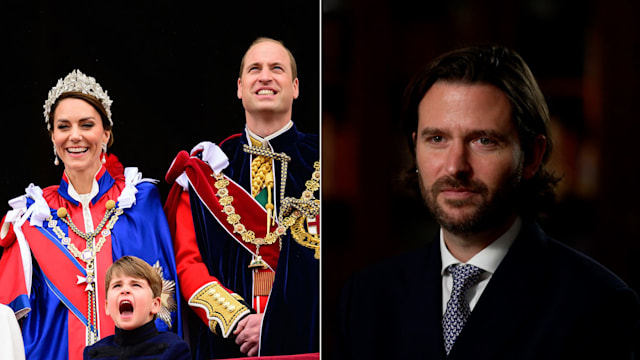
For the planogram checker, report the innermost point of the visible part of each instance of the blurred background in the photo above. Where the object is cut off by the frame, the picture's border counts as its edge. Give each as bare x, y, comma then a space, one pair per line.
586, 57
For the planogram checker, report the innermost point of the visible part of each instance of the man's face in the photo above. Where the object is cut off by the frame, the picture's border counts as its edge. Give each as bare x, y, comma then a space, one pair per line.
468, 155
266, 84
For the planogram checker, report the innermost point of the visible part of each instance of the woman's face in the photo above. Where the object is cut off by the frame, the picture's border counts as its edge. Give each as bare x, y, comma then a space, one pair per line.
78, 135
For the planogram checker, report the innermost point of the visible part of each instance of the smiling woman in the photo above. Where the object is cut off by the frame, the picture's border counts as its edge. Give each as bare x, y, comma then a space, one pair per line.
59, 241
79, 138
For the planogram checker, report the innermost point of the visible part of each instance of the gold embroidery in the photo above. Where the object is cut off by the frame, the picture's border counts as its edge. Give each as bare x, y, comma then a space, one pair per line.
223, 309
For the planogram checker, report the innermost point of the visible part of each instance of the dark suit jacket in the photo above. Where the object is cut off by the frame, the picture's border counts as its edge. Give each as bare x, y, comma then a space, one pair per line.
545, 301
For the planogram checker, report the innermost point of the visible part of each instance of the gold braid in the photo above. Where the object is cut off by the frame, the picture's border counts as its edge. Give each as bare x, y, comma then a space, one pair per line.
260, 167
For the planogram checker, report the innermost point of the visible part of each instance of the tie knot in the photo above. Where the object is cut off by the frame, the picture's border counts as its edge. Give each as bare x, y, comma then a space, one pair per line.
464, 275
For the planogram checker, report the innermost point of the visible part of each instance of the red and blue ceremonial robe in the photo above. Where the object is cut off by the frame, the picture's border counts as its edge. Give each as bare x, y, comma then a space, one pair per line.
210, 254
44, 278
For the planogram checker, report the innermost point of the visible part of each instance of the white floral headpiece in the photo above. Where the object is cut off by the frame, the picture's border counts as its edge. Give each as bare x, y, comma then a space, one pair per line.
77, 81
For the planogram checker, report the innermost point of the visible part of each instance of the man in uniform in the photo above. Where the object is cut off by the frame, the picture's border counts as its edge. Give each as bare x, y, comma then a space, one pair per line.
244, 216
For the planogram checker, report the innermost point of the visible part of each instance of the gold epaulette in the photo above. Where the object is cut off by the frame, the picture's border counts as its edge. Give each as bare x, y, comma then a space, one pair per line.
224, 309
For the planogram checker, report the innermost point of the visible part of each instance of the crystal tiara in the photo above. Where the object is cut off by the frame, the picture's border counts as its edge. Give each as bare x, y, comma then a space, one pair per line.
77, 81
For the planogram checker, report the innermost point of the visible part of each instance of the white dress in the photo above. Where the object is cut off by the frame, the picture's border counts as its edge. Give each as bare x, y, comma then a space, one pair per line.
10, 335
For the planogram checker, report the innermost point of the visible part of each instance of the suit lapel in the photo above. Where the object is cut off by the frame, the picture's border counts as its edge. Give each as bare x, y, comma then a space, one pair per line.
417, 329
507, 301
432, 309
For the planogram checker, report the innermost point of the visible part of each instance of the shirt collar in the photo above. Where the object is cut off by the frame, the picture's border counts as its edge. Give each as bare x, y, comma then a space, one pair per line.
104, 183
268, 138
488, 258
73, 193
137, 335
79, 197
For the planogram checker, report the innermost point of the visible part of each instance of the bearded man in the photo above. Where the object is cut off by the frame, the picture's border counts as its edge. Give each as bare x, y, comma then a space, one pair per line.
493, 285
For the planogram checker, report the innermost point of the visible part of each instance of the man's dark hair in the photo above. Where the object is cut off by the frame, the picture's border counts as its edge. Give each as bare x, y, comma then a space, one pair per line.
506, 70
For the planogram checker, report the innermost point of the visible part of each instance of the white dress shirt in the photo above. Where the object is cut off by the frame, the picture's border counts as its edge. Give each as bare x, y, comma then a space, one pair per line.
268, 138
487, 259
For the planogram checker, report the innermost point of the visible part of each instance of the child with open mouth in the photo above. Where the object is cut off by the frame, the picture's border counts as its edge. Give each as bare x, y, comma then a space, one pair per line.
133, 300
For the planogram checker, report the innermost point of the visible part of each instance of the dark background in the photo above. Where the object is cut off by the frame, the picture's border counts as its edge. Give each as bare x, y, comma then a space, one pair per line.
170, 67
586, 57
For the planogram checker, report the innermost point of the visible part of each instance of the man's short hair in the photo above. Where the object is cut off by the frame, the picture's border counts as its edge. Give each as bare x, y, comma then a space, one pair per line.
292, 60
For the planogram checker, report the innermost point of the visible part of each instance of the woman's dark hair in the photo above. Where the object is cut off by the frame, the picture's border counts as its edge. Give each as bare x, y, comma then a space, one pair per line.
91, 100
507, 71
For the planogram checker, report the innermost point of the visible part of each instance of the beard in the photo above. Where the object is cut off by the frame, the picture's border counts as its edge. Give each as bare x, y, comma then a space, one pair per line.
487, 210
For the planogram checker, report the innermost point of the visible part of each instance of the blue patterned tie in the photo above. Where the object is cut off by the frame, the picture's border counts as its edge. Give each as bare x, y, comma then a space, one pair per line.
457, 312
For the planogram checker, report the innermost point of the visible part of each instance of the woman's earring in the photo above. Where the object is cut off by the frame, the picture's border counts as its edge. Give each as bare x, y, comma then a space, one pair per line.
55, 156
104, 153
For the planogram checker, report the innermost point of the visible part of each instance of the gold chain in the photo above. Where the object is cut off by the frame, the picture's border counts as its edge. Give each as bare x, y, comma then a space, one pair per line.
282, 157
308, 206
294, 206
233, 218
88, 255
